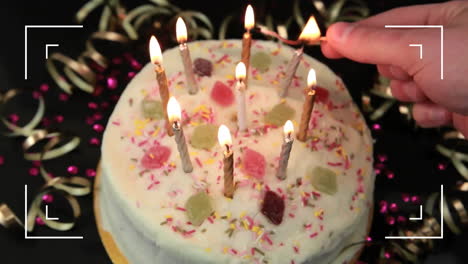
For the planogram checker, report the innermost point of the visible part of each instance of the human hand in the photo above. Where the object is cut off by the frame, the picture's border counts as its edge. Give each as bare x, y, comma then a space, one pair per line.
437, 102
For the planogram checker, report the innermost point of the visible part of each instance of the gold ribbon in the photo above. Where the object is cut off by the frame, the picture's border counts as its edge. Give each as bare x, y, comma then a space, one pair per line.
8, 219
457, 158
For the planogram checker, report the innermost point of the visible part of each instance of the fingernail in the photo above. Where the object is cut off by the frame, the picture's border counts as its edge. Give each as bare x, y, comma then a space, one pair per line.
439, 115
341, 30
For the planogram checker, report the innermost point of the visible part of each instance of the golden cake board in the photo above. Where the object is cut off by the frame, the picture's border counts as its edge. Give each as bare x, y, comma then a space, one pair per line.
117, 257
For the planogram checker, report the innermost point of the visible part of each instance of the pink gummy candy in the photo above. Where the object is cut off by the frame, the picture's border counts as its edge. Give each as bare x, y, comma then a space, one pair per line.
321, 95
155, 157
253, 163
222, 94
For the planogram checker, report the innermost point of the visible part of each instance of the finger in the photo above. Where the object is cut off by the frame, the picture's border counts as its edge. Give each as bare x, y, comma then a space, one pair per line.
407, 91
393, 72
461, 123
431, 115
374, 45
429, 14
329, 52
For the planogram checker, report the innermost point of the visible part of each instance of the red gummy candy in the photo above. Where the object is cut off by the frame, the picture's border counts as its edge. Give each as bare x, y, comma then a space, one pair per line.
155, 157
253, 163
222, 94
273, 207
321, 95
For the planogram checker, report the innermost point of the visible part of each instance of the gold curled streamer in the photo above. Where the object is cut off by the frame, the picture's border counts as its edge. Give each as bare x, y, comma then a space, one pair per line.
78, 74
138, 11
36, 211
449, 219
462, 186
29, 127
41, 134
453, 135
461, 211
457, 159
91, 51
8, 219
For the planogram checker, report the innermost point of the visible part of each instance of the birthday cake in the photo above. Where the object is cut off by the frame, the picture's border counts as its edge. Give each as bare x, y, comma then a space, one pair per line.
157, 213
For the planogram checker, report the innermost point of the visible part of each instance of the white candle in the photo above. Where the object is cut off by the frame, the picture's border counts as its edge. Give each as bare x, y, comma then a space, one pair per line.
240, 96
181, 32
310, 34
288, 130
174, 113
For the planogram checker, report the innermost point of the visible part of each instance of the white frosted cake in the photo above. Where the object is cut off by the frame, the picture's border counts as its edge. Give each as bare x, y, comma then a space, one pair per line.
159, 214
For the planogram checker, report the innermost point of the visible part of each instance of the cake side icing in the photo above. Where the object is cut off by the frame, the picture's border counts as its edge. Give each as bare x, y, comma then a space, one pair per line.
153, 193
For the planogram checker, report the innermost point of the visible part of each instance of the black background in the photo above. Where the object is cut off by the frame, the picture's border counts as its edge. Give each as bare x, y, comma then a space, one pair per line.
411, 152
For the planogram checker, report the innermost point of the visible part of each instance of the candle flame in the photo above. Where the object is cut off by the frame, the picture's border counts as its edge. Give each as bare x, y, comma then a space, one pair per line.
155, 51
288, 128
224, 136
311, 31
240, 71
249, 20
311, 79
181, 31
173, 110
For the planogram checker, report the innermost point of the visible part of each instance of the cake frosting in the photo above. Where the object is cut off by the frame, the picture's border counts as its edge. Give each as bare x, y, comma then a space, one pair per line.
327, 194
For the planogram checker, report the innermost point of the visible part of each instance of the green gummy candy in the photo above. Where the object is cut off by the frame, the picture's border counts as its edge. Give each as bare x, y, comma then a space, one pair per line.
204, 136
279, 114
324, 180
198, 208
152, 109
261, 61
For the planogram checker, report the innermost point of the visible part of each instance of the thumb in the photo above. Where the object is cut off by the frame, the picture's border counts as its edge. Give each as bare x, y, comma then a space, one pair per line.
374, 45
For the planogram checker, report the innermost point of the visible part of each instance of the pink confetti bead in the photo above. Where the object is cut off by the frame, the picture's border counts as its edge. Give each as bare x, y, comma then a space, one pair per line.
72, 170
387, 255
441, 166
2, 160
369, 239
376, 127
390, 175
89, 120
98, 128
90, 173
135, 64
390, 220
105, 105
112, 83
36, 94
382, 157
63, 97
383, 207
14, 118
44, 87
97, 116
36, 163
94, 141
48, 198
92, 105
377, 171
59, 118
401, 219
415, 199
393, 207
117, 60
39, 221
33, 171
130, 75
405, 197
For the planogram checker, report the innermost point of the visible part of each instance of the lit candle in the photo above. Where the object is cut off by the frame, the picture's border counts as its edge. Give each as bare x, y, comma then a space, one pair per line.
240, 96
288, 130
181, 32
174, 113
156, 59
224, 138
310, 34
249, 22
308, 106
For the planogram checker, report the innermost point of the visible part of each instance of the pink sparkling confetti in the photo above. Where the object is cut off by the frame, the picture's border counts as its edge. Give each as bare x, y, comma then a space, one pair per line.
63, 97
376, 127
90, 173
59, 118
401, 219
98, 128
39, 221
36, 163
48, 198
390, 175
130, 75
135, 64
33, 171
387, 255
415, 199
97, 116
112, 83
92, 105
393, 207
94, 141
369, 239
441, 166
44, 87
117, 60
72, 170
390, 220
36, 94
14, 118
105, 105
382, 157
89, 120
405, 197
383, 207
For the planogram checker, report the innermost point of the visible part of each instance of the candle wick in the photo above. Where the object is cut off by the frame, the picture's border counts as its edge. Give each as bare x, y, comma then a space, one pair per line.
176, 125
